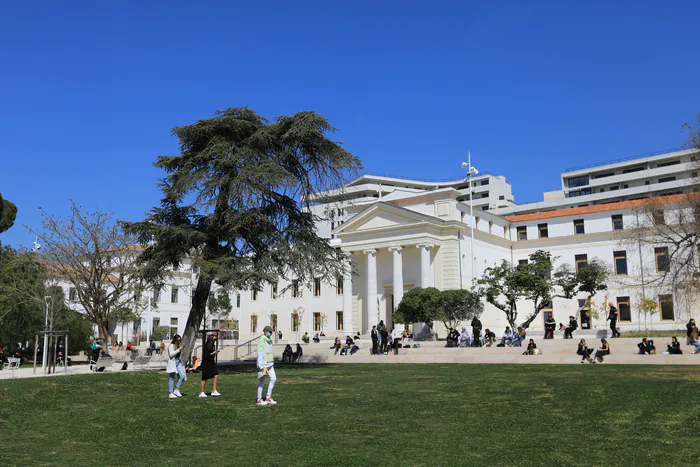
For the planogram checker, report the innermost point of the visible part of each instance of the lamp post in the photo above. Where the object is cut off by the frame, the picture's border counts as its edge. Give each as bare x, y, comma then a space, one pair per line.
45, 353
471, 171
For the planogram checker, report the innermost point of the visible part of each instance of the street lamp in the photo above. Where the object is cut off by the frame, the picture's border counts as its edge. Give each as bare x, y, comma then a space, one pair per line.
471, 171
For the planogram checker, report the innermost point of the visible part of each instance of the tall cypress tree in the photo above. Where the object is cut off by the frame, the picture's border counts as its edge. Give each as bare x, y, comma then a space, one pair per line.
236, 200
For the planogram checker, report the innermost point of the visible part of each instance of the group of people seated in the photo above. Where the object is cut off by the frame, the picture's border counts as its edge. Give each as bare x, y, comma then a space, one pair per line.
647, 347
585, 352
512, 339
290, 356
349, 347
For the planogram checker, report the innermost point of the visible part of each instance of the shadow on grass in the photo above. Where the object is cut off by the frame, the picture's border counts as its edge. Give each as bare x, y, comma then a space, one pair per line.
247, 368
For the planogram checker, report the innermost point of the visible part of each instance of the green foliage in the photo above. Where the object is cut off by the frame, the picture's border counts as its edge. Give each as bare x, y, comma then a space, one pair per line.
161, 332
502, 286
420, 306
219, 304
459, 305
8, 214
592, 277
237, 198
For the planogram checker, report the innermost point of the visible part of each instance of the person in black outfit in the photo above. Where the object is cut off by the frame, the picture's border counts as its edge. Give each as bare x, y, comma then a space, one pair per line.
549, 326
452, 338
298, 354
584, 352
288, 354
573, 325
531, 347
375, 340
209, 369
689, 331
383, 348
612, 317
476, 332
674, 348
603, 350
646, 347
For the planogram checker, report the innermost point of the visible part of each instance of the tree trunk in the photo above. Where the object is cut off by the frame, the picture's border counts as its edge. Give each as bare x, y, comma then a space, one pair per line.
103, 330
197, 312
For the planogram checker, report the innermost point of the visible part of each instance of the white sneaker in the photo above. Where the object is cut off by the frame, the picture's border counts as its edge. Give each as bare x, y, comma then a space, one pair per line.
172, 396
201, 394
270, 400
177, 393
215, 393
260, 402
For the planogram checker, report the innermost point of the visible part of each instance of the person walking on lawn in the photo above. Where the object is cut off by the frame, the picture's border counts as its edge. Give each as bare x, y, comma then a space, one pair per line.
266, 362
209, 368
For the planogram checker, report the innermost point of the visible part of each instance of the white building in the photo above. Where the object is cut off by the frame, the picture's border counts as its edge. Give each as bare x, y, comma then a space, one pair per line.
403, 233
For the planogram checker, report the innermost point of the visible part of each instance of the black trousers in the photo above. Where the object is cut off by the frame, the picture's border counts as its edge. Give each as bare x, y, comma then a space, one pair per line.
375, 345
613, 328
383, 348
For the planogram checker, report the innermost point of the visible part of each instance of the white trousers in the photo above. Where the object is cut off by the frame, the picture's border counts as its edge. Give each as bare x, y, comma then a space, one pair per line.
261, 382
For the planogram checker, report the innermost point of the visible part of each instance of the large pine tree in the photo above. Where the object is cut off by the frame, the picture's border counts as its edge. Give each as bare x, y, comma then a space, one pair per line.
236, 200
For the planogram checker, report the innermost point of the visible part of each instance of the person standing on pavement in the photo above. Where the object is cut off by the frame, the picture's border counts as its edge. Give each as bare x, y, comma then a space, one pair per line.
612, 317
375, 340
265, 363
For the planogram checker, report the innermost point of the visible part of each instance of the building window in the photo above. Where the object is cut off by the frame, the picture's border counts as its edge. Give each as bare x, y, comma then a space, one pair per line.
617, 222
273, 322
501, 197
238, 300
581, 262
317, 321
156, 295
666, 305
579, 228
273, 291
547, 311
484, 182
173, 294
295, 322
156, 324
577, 181
522, 232
317, 287
585, 313
485, 208
485, 195
662, 262
667, 179
522, 262
295, 288
339, 286
338, 320
620, 262
254, 294
72, 295
544, 230
173, 327
253, 323
658, 217
623, 308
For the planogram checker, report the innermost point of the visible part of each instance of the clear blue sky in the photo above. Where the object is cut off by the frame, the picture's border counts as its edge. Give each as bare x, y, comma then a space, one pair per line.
91, 90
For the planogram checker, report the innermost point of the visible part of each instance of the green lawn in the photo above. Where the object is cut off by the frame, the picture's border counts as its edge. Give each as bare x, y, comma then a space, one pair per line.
361, 415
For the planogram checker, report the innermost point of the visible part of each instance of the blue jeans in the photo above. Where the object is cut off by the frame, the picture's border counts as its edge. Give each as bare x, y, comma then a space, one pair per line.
180, 373
697, 347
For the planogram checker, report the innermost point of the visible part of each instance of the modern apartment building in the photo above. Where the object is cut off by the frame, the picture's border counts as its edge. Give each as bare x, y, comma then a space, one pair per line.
403, 233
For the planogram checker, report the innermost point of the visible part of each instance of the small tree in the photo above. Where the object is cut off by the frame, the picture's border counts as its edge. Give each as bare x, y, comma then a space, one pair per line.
297, 318
420, 306
646, 306
592, 279
458, 306
92, 253
505, 281
160, 333
324, 321
8, 214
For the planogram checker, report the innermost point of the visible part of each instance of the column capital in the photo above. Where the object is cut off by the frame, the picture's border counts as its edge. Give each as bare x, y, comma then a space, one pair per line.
370, 251
395, 248
425, 245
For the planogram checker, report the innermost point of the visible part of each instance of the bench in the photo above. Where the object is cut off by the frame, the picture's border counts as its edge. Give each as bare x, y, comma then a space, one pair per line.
102, 362
142, 361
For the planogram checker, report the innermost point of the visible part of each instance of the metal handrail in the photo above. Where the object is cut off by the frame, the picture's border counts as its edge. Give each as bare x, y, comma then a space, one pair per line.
624, 159
249, 344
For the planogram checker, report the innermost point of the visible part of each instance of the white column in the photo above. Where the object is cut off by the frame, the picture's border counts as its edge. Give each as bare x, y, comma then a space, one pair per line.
371, 289
347, 299
425, 265
397, 276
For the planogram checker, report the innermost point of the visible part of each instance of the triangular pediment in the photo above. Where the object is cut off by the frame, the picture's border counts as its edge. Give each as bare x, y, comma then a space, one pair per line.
384, 216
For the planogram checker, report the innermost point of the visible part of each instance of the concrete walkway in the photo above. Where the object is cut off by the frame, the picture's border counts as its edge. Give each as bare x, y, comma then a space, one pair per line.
556, 351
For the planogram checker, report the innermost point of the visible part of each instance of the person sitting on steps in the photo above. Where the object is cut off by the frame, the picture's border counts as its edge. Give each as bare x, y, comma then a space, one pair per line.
646, 347
584, 352
507, 337
531, 348
316, 339
549, 326
603, 350
489, 337
569, 330
674, 348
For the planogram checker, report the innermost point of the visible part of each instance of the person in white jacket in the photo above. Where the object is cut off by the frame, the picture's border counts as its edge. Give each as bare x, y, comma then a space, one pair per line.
175, 367
266, 361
